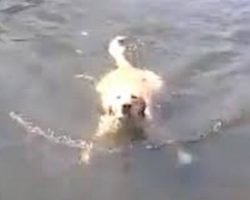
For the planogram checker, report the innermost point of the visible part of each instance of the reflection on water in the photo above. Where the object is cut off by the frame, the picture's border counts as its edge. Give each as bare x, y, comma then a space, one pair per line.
199, 47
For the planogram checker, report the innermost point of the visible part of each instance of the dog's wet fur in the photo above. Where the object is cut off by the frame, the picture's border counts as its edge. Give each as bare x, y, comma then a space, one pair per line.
126, 96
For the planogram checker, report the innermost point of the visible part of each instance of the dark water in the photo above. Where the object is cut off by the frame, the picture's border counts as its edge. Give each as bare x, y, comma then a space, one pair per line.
200, 47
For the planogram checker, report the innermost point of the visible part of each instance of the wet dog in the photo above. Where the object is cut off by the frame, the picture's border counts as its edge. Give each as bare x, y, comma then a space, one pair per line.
126, 93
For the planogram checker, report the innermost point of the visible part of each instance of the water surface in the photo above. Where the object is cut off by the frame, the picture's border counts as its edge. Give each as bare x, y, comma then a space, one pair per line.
201, 49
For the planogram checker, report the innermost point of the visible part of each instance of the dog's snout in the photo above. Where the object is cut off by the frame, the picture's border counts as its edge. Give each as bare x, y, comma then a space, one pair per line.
126, 108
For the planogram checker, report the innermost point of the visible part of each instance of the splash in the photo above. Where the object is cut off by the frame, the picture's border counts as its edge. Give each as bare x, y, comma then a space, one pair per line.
50, 135
110, 126
107, 126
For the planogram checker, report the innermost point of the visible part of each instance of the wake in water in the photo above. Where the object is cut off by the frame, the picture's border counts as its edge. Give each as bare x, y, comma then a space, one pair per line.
88, 147
51, 136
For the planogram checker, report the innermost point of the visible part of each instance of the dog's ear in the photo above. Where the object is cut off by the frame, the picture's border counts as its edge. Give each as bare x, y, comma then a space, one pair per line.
103, 111
142, 103
110, 111
100, 109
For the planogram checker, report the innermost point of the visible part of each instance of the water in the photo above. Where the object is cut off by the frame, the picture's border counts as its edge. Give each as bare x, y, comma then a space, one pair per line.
199, 47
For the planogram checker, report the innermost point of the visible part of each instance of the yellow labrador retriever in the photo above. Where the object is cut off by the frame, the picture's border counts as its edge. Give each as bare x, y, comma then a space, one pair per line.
126, 93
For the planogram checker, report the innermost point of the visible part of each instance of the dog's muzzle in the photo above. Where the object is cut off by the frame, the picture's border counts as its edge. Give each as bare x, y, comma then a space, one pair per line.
126, 109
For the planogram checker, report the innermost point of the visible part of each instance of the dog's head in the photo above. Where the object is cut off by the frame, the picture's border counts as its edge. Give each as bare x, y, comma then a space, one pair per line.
124, 104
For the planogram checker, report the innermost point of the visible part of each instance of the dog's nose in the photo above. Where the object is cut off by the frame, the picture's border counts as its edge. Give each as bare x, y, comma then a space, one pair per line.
126, 108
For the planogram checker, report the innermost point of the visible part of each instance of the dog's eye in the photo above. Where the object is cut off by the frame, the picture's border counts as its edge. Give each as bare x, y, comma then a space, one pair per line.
134, 97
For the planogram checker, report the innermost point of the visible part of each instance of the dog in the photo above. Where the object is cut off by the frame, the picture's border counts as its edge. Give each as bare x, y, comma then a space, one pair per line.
126, 92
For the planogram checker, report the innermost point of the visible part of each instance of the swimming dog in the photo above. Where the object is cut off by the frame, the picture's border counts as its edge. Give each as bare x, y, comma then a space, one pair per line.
126, 92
